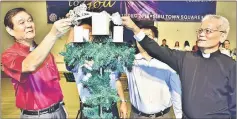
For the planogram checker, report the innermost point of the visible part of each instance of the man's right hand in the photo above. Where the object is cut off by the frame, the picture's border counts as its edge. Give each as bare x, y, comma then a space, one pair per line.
60, 27
129, 24
39, 54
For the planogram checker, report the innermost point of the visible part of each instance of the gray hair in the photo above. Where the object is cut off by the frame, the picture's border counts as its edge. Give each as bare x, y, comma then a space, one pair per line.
224, 26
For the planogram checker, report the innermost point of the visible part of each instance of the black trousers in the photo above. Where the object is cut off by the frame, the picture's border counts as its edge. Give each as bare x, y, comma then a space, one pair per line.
114, 110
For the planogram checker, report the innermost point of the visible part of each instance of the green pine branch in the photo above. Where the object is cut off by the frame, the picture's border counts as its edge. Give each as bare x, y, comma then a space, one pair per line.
106, 55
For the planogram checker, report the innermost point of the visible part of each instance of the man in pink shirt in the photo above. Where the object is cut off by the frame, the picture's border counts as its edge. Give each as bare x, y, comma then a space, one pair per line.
34, 73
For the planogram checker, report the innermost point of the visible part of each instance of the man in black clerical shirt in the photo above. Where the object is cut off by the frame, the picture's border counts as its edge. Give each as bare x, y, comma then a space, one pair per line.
208, 77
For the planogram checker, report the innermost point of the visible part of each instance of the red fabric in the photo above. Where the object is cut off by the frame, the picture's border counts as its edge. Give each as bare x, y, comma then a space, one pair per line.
36, 90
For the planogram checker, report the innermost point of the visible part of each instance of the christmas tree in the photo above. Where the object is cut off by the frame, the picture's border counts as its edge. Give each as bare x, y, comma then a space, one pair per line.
107, 56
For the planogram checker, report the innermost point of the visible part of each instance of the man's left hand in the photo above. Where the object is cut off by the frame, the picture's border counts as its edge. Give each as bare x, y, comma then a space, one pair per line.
123, 110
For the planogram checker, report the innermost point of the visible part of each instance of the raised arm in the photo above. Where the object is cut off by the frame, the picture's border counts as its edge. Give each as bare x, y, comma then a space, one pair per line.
171, 57
39, 54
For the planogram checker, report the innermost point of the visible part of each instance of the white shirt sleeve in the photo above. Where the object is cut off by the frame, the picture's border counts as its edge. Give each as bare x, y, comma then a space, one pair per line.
176, 99
140, 36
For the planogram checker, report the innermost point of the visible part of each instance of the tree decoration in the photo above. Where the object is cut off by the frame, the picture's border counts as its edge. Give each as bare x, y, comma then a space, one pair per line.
107, 57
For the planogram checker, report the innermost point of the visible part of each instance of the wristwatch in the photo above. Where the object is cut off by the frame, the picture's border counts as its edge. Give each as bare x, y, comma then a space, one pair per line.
123, 100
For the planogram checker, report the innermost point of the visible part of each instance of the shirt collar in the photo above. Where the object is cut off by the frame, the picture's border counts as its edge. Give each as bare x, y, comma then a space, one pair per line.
206, 55
209, 55
33, 47
25, 48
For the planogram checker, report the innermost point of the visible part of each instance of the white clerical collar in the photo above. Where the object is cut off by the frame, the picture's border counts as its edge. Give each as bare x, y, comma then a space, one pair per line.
206, 55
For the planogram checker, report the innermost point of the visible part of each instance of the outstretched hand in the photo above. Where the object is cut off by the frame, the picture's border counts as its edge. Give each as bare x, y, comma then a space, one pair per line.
60, 27
129, 24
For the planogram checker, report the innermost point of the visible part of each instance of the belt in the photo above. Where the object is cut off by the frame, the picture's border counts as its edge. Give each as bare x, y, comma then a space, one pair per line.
161, 113
113, 105
51, 109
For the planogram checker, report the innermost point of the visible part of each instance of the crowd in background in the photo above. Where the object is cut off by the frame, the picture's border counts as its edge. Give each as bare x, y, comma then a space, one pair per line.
224, 47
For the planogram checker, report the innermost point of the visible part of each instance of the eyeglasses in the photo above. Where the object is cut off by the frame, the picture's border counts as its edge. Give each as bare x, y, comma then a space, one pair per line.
208, 31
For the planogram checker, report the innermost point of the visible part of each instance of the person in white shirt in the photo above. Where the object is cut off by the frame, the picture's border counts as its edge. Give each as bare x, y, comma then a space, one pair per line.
225, 49
187, 46
176, 46
153, 86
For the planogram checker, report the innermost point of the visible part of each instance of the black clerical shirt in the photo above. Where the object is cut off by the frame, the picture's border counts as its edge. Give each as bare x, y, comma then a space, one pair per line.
208, 84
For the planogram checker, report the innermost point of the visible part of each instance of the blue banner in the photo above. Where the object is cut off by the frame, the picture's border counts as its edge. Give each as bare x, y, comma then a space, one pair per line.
181, 11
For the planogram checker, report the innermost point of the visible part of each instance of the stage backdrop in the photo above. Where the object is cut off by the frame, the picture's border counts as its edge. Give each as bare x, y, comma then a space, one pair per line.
180, 11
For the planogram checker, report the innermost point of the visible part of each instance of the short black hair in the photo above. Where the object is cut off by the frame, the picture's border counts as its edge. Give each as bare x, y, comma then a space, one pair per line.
11, 13
153, 29
164, 40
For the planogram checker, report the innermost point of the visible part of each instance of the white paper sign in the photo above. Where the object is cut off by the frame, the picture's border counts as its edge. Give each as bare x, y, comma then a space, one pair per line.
100, 24
118, 34
86, 34
78, 34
